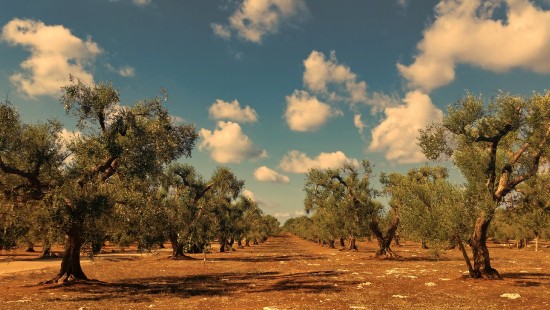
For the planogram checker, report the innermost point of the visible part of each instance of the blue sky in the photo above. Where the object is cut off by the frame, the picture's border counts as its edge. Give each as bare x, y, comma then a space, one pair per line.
280, 86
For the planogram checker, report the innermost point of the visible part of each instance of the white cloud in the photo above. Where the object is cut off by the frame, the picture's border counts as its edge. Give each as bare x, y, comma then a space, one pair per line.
249, 194
466, 32
298, 162
124, 71
320, 72
55, 54
127, 71
221, 31
307, 113
358, 123
397, 134
402, 3
228, 144
300, 213
141, 2
178, 120
281, 215
336, 82
232, 111
264, 174
255, 19
65, 138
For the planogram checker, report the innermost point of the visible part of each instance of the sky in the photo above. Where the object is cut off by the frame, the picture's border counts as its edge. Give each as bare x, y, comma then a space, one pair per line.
277, 87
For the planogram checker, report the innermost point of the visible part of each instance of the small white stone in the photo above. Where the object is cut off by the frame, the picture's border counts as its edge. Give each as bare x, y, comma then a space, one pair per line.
510, 295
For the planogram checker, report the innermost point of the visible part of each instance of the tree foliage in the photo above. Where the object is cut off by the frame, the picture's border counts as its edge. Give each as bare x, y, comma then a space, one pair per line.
497, 145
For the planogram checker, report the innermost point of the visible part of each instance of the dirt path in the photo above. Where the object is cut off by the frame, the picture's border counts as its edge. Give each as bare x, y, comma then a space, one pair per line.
289, 273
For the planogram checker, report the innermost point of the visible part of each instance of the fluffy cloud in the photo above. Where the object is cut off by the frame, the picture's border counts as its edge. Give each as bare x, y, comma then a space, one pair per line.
221, 31
307, 113
397, 134
320, 72
256, 18
249, 194
465, 32
65, 138
141, 2
232, 111
298, 162
228, 144
264, 174
55, 54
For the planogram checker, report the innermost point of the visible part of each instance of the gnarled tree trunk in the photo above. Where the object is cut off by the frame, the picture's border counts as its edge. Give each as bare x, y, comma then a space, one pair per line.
384, 242
70, 265
177, 247
482, 262
352, 245
223, 243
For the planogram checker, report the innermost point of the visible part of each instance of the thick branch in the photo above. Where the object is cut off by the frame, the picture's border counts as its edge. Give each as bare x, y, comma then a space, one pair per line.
101, 168
509, 185
31, 177
516, 156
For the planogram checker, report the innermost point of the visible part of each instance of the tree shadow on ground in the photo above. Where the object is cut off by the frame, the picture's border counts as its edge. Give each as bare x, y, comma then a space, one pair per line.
220, 284
268, 258
528, 279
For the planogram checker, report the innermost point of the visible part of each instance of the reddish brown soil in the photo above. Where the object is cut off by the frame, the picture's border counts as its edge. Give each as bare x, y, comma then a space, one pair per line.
289, 273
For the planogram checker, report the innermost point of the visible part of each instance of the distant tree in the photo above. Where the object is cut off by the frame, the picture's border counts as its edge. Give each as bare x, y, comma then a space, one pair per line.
195, 207
350, 197
270, 227
497, 145
300, 226
431, 209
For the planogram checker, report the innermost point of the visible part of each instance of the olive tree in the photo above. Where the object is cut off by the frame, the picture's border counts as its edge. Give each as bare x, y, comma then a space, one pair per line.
196, 209
116, 145
348, 192
497, 145
431, 209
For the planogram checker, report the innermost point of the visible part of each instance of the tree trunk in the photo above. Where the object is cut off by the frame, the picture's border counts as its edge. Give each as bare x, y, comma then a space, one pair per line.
46, 248
240, 243
342, 243
223, 242
177, 247
396, 239
331, 244
70, 265
465, 255
424, 245
352, 245
482, 262
230, 244
30, 247
247, 242
384, 242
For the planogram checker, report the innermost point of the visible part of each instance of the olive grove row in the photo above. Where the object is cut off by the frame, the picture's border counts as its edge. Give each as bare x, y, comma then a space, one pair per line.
501, 147
118, 180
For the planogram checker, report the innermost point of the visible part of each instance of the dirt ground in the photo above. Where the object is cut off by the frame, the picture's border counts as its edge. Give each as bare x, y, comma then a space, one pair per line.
285, 272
